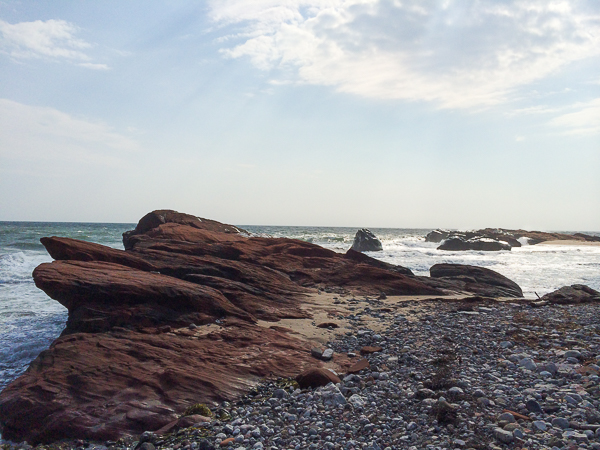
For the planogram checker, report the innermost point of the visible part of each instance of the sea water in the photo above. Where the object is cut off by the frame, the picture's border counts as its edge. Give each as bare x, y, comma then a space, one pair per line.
30, 320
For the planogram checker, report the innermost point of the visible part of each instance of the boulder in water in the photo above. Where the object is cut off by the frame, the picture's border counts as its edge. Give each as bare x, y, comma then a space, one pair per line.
366, 241
458, 243
437, 235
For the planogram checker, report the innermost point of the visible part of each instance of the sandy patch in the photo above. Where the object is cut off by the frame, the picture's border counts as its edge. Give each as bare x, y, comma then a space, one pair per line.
335, 308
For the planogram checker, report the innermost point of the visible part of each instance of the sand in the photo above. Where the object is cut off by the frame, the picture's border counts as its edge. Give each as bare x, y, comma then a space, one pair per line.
324, 310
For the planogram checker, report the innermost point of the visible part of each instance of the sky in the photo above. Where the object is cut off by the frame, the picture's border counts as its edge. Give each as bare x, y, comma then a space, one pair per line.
399, 113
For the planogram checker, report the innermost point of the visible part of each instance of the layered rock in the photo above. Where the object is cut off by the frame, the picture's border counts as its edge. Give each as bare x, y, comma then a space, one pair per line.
172, 321
577, 293
101, 385
366, 241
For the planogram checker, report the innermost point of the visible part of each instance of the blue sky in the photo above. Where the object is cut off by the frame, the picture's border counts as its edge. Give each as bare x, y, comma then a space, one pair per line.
459, 114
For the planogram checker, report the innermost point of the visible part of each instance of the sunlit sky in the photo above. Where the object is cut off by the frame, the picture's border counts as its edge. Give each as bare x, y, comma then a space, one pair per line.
417, 113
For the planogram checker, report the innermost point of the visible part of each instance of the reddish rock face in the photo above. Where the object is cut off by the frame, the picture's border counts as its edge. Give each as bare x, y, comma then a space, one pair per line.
125, 364
358, 366
102, 295
101, 385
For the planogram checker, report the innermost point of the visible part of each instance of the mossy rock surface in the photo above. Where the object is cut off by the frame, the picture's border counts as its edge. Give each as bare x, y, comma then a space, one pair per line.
198, 408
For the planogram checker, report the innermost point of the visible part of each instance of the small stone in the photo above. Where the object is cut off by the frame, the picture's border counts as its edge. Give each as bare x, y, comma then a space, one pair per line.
327, 354
539, 425
528, 364
573, 354
506, 437
280, 393
455, 391
146, 446
356, 400
560, 422
316, 352
533, 406
506, 417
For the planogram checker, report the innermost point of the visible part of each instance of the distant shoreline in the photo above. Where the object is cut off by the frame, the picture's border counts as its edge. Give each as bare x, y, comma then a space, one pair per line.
573, 242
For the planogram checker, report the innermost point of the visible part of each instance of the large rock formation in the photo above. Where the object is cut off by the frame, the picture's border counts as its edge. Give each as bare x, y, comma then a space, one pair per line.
366, 241
173, 321
577, 293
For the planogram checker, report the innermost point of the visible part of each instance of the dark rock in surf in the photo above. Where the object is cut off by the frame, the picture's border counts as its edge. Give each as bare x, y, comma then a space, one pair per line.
437, 235
366, 241
456, 243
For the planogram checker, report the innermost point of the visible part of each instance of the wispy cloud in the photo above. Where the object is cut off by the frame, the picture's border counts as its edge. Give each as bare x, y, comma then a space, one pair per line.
34, 133
583, 120
456, 54
50, 39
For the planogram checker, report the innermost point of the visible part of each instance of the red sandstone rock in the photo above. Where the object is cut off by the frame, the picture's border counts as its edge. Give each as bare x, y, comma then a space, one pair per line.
156, 218
98, 386
316, 377
123, 366
370, 349
358, 366
64, 249
102, 295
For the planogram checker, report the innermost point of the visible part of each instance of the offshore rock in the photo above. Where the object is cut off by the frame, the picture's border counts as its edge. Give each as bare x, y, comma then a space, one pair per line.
511, 237
438, 235
577, 293
457, 243
366, 241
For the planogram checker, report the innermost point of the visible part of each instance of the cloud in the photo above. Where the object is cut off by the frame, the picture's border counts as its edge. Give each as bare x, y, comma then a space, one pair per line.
585, 120
38, 134
51, 39
456, 54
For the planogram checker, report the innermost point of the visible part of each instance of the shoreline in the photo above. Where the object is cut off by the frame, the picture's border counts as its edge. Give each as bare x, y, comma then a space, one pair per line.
571, 243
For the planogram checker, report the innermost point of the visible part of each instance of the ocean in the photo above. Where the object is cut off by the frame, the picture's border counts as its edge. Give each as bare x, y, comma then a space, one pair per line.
30, 320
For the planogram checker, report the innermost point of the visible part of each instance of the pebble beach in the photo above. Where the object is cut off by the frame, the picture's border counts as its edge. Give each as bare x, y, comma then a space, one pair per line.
450, 375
